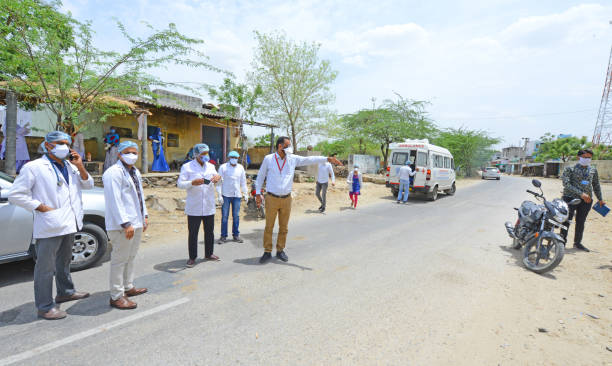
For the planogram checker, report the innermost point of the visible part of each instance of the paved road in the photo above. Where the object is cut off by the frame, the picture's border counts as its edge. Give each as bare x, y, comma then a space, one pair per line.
385, 284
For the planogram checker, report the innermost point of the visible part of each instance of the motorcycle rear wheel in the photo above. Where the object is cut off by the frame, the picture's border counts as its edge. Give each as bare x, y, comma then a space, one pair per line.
542, 262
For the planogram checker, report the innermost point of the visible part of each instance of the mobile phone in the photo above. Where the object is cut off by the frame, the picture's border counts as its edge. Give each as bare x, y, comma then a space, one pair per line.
71, 157
206, 181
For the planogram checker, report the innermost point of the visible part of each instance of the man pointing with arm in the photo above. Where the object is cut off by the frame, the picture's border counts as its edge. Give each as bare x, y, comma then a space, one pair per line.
277, 171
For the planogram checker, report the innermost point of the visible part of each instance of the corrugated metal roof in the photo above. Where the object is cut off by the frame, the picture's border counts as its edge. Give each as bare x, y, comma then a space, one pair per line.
181, 108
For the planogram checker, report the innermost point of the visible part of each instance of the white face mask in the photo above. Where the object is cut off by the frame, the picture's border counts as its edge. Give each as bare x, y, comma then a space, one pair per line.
584, 161
60, 151
130, 159
233, 161
288, 150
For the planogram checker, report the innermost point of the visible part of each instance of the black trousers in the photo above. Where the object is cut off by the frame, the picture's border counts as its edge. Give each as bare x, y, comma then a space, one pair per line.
193, 224
581, 212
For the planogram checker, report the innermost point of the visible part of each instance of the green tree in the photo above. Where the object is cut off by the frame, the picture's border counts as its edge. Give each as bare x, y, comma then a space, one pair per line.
49, 58
561, 148
263, 140
295, 83
470, 148
394, 121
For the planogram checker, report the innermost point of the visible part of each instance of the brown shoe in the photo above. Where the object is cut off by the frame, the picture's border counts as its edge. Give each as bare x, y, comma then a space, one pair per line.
135, 291
123, 303
73, 297
53, 314
212, 257
190, 263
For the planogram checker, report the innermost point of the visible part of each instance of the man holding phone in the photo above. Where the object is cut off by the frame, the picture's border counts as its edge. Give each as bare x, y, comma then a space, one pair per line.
51, 188
199, 177
126, 220
581, 181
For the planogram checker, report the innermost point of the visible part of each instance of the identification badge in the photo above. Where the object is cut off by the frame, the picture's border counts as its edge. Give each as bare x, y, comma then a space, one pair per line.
585, 182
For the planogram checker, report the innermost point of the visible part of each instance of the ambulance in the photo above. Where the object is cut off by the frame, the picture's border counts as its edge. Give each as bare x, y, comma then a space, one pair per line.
434, 167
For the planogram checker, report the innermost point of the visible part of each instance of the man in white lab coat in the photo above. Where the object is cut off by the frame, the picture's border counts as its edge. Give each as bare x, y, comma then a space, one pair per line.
199, 177
323, 174
126, 219
51, 188
230, 191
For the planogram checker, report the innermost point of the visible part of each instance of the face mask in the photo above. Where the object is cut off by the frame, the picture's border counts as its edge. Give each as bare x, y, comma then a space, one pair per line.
204, 158
288, 150
584, 161
130, 159
233, 161
112, 131
60, 151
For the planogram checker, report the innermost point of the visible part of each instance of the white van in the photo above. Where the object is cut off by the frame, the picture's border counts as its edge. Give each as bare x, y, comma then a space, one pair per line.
434, 167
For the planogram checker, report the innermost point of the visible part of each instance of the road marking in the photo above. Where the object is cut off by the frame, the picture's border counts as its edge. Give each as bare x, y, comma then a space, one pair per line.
88, 333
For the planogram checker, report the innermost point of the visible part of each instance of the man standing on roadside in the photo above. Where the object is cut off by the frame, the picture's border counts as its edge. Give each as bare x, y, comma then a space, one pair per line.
580, 181
325, 171
51, 188
277, 171
126, 219
199, 177
230, 192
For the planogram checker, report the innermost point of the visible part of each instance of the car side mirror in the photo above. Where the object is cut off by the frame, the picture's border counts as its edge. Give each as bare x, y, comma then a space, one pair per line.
536, 183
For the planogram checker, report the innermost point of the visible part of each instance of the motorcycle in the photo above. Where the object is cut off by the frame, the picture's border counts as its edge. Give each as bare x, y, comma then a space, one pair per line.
252, 203
535, 230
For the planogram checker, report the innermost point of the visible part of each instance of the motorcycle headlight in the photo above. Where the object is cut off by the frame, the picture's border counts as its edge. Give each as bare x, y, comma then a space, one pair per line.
561, 210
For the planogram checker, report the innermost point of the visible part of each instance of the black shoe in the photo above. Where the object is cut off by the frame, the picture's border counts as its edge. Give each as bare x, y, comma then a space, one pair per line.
581, 247
282, 256
222, 240
265, 257
322, 209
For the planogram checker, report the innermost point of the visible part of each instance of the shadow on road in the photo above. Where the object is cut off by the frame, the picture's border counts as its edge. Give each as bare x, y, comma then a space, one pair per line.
174, 266
255, 237
255, 262
16, 272
22, 314
96, 304
517, 254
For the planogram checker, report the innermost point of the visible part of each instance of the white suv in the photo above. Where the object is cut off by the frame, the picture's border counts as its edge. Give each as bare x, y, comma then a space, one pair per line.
491, 173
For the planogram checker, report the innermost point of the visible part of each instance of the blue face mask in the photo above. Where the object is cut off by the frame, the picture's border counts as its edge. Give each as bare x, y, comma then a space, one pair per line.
205, 158
233, 161
112, 131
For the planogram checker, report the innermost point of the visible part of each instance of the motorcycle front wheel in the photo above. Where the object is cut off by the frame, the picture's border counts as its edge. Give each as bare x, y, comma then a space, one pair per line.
544, 259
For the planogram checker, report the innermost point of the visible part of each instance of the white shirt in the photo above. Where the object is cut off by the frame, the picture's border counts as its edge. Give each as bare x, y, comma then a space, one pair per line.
200, 199
233, 179
278, 173
38, 184
325, 170
121, 198
405, 172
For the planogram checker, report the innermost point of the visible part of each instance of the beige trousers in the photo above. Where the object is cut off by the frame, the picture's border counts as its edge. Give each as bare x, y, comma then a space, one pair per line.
280, 207
122, 261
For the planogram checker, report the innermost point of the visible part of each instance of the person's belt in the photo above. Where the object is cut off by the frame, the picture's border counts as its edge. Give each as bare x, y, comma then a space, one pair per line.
277, 196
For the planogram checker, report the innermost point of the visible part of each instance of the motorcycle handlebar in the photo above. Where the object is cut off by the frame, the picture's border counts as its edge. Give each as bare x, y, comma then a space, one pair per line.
534, 193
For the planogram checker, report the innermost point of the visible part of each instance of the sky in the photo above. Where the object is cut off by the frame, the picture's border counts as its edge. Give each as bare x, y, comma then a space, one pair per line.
513, 68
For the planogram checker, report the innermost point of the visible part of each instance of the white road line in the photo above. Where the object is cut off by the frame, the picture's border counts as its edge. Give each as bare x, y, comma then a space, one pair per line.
62, 342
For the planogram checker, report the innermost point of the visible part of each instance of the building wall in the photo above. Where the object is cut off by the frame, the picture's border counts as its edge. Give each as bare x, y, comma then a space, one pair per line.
187, 126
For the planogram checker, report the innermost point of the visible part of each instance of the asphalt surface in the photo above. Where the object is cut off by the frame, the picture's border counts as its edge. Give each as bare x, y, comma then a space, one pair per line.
382, 284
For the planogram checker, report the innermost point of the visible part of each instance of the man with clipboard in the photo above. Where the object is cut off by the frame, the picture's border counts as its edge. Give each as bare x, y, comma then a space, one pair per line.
581, 181
277, 171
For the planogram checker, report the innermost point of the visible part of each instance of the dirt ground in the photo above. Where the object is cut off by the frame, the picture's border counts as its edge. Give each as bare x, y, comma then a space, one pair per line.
172, 223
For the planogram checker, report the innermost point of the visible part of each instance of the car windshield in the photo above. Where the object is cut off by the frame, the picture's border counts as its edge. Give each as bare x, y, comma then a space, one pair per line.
6, 177
492, 169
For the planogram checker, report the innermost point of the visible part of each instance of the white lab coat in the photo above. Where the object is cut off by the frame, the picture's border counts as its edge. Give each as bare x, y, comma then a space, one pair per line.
200, 199
121, 198
37, 184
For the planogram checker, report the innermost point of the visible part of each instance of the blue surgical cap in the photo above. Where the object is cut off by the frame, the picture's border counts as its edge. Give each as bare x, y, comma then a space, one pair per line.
408, 162
200, 148
356, 166
233, 154
54, 136
125, 144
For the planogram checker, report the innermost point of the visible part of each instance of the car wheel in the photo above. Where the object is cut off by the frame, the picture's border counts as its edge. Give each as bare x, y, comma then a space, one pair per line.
498, 178
452, 190
90, 245
434, 194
